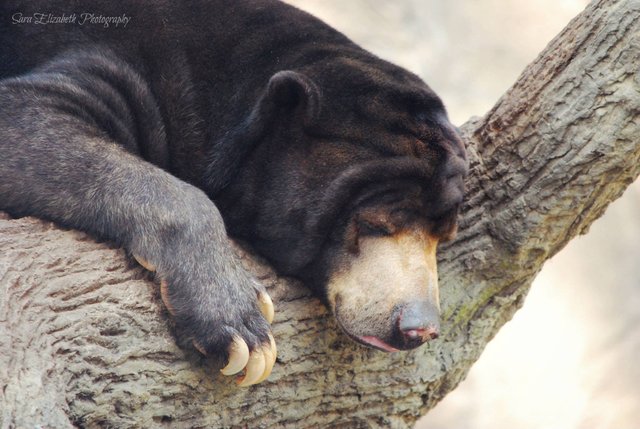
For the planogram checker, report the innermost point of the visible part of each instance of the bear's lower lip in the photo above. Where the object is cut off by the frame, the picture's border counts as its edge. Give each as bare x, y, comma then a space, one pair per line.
367, 340
377, 343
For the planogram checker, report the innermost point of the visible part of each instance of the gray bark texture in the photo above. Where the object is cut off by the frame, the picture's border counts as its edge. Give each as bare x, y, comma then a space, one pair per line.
86, 342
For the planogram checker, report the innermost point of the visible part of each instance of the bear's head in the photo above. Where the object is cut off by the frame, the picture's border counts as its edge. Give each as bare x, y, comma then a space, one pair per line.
355, 176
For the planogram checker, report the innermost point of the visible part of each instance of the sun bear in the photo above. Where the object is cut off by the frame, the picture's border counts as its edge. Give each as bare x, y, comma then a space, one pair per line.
167, 126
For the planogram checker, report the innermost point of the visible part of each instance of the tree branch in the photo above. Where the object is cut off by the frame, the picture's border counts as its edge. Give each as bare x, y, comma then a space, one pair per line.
85, 340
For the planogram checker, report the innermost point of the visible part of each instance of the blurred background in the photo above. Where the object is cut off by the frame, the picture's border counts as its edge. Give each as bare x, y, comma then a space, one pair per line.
570, 359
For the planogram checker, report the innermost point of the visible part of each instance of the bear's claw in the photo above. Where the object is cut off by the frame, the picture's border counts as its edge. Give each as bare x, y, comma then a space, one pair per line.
238, 357
254, 369
164, 294
146, 264
257, 364
266, 306
270, 354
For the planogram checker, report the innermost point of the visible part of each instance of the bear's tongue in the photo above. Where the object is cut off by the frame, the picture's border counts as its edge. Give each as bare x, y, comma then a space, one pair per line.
378, 344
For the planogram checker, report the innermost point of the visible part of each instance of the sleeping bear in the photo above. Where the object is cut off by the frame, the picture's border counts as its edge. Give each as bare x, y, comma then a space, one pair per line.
168, 126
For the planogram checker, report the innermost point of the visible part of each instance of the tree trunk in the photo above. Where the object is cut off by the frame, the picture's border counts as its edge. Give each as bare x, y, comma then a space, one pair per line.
85, 340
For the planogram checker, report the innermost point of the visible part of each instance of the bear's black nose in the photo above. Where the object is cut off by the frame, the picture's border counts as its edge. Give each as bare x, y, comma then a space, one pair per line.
418, 322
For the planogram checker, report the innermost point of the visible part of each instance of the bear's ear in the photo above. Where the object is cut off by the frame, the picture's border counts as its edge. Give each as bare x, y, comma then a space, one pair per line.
292, 93
288, 94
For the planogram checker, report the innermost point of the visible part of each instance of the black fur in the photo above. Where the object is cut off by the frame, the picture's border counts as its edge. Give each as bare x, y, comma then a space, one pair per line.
131, 133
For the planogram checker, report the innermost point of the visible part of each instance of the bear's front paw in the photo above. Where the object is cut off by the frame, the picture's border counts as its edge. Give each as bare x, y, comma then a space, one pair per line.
238, 330
230, 320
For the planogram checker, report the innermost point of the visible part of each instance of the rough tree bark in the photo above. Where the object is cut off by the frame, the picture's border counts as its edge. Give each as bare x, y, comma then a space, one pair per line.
85, 340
